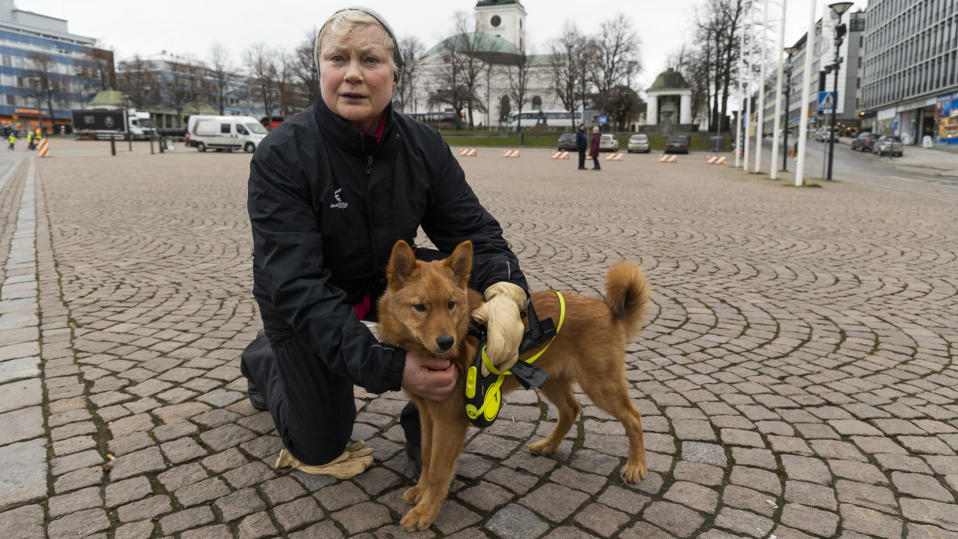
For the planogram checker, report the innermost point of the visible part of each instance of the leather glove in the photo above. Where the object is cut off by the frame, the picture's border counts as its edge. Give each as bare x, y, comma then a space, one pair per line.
351, 463
500, 314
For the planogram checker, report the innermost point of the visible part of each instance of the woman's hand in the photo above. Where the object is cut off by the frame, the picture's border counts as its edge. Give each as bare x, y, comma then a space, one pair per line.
429, 377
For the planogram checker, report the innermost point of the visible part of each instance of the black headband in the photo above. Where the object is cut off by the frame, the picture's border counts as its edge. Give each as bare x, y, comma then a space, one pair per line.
397, 55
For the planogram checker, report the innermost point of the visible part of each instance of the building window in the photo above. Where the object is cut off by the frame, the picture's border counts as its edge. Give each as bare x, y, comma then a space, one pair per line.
11, 100
536, 103
6, 61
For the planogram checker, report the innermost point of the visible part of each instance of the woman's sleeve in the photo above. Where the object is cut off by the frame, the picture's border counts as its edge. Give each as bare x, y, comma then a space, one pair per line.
455, 215
288, 254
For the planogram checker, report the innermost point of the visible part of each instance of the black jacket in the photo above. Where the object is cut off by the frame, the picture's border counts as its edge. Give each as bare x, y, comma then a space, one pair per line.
581, 141
326, 204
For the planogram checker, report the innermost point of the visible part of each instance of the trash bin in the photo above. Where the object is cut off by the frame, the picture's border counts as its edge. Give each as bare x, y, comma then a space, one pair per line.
715, 144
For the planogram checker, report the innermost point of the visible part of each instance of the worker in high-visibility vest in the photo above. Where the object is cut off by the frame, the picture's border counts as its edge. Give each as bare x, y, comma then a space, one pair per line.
13, 140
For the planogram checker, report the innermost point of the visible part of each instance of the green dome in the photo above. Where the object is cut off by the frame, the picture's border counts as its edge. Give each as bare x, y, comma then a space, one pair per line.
109, 98
484, 44
670, 79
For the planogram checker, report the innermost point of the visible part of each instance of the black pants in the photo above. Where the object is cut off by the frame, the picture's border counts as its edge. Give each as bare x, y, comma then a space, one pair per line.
582, 159
595, 163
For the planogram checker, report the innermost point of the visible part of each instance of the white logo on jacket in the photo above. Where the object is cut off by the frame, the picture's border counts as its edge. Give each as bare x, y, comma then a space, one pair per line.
339, 205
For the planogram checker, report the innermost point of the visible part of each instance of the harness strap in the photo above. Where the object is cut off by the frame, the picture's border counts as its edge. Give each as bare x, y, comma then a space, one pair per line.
492, 368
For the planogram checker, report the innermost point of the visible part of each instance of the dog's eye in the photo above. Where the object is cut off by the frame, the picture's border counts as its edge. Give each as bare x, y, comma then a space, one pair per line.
451, 305
419, 307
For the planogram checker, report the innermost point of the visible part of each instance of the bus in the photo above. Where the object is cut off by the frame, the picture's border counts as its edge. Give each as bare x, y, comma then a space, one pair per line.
548, 118
439, 120
269, 122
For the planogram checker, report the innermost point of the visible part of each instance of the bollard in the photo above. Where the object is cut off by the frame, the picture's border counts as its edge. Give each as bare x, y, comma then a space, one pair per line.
112, 144
151, 143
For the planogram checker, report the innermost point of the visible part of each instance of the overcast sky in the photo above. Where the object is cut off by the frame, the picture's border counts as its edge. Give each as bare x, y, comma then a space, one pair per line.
191, 27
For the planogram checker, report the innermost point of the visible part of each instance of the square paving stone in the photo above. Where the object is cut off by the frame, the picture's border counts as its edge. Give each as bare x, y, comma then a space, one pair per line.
204, 491
452, 517
180, 476
692, 495
870, 496
744, 522
704, 453
485, 496
674, 518
138, 463
752, 500
699, 473
226, 436
78, 479
20, 394
298, 513
601, 519
921, 486
22, 424
144, 509
757, 479
282, 489
811, 494
182, 450
742, 437
256, 526
249, 474
555, 502
127, 491
869, 522
186, 519
691, 429
135, 530
79, 524
239, 503
516, 521
928, 445
74, 501
23, 472
806, 469
939, 514
858, 471
815, 521
26, 521
746, 456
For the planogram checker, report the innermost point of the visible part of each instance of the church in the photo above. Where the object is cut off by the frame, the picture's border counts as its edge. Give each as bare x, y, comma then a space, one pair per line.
498, 40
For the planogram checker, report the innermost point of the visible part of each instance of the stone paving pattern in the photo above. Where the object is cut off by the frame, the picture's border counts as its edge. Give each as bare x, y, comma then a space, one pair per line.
796, 376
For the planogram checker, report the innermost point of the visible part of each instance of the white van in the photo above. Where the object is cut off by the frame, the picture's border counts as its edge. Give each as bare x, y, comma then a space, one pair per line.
225, 132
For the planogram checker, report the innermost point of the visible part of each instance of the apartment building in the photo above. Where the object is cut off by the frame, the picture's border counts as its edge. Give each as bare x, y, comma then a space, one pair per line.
910, 85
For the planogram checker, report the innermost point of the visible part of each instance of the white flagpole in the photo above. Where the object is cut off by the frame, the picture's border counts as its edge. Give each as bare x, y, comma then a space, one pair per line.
760, 126
741, 91
806, 95
773, 168
748, 96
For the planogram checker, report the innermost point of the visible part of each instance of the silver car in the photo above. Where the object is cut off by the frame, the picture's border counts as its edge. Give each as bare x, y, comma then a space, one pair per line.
889, 145
639, 143
608, 143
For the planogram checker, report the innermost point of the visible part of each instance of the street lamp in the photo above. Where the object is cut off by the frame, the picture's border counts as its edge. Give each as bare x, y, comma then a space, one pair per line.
788, 92
838, 9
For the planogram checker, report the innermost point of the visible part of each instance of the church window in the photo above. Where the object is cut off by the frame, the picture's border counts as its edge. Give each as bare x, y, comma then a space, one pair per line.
536, 103
495, 21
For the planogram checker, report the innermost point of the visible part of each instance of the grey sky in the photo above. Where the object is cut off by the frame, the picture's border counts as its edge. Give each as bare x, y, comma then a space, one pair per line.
190, 27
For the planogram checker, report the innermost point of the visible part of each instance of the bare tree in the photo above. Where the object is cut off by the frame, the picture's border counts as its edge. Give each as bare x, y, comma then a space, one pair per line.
693, 67
138, 81
45, 82
178, 86
411, 49
519, 76
615, 57
306, 64
569, 56
470, 49
97, 71
221, 75
263, 73
623, 105
291, 95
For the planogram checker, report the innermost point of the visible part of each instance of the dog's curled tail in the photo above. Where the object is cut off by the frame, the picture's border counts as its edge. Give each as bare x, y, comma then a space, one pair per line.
628, 295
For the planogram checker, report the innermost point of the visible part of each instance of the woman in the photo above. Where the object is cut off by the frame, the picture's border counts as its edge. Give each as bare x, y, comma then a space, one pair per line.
594, 148
330, 191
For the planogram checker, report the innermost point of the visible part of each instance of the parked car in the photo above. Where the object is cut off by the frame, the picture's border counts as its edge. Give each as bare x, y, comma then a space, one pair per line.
608, 143
639, 143
225, 133
889, 145
864, 142
677, 144
823, 133
566, 142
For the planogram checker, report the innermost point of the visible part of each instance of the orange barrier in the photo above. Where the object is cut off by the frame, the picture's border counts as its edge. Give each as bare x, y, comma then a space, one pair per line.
716, 160
560, 155
614, 157
468, 152
43, 149
665, 158
510, 153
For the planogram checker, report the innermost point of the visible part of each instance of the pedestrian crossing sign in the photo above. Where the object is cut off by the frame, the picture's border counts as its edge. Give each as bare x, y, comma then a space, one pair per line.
826, 101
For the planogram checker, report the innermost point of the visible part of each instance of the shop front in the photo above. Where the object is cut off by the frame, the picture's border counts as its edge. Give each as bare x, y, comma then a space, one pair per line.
946, 113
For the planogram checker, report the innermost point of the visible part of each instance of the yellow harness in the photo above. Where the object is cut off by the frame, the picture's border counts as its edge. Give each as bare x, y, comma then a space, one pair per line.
492, 400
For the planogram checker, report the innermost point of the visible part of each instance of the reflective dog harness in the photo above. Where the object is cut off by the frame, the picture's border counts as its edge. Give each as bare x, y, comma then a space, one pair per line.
483, 393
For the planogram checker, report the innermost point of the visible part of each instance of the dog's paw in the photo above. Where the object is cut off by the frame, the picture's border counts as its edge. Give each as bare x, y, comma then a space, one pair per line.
542, 447
413, 495
419, 518
633, 473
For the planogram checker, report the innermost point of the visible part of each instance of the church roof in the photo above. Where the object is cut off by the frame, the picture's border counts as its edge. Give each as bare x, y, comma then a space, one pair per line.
482, 43
669, 78
109, 98
483, 3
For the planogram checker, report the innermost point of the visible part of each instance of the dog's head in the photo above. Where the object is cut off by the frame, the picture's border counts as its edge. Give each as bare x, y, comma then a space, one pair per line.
426, 306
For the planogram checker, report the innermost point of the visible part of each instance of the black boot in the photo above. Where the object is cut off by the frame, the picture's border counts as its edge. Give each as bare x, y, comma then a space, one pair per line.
255, 351
409, 420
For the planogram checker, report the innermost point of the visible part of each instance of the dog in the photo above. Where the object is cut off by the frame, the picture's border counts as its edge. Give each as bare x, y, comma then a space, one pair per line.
427, 305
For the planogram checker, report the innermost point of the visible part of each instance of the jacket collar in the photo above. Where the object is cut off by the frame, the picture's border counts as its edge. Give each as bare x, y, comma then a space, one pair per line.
334, 127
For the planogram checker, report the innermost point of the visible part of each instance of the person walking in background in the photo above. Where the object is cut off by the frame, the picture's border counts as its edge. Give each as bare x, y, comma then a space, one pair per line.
581, 144
13, 140
29, 140
594, 148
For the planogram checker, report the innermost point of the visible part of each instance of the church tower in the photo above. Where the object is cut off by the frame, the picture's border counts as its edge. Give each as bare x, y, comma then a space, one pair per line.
503, 18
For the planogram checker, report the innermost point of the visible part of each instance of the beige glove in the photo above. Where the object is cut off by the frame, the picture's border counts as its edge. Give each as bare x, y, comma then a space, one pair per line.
500, 314
352, 462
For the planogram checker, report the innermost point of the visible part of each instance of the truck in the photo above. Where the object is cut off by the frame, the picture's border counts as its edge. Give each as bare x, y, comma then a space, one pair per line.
139, 124
224, 133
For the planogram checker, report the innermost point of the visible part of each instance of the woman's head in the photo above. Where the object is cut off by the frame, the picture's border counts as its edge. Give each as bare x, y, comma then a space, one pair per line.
359, 65
595, 129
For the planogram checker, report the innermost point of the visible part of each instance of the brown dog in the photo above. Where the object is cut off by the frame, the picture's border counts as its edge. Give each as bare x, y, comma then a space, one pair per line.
426, 303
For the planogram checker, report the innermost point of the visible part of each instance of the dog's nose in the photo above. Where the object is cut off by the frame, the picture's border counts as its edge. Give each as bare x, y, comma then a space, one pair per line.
445, 342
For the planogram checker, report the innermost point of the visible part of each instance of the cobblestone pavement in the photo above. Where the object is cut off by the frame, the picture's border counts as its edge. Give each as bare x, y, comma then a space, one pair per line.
796, 376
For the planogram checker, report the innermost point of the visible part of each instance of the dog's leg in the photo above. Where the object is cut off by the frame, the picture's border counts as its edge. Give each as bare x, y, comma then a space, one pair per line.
610, 395
448, 434
559, 392
414, 494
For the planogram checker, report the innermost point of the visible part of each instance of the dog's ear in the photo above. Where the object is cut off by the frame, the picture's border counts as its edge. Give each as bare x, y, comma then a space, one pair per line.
460, 262
401, 263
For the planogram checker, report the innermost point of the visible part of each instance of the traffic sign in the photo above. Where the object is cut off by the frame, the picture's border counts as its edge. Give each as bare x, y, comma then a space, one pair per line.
826, 101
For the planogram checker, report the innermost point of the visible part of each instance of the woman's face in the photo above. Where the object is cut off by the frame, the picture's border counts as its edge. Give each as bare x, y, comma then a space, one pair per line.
356, 77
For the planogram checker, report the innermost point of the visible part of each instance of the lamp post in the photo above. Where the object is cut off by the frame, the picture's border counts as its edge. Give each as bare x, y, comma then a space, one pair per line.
838, 9
788, 92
